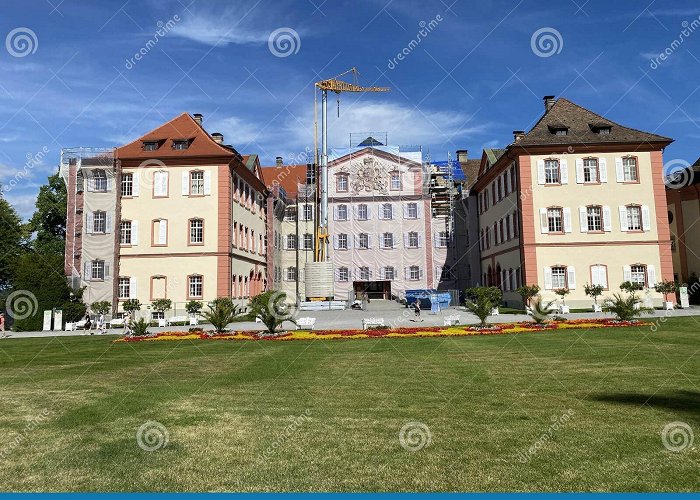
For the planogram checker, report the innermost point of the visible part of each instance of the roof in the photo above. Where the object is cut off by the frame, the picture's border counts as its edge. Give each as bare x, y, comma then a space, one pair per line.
179, 128
581, 124
370, 141
471, 170
287, 176
493, 154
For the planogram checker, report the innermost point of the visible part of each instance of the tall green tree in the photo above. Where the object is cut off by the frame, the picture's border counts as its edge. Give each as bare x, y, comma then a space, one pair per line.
12, 242
49, 220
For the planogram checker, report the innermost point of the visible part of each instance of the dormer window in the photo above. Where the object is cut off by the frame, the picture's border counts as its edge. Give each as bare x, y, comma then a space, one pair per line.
604, 131
150, 145
561, 131
600, 128
181, 144
558, 129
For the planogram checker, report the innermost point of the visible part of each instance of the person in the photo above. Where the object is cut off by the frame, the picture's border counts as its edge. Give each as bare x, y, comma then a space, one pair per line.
2, 326
101, 325
416, 309
88, 323
127, 324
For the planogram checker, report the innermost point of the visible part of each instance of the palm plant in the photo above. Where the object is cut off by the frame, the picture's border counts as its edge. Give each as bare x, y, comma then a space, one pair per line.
222, 311
540, 311
625, 308
481, 301
271, 307
140, 327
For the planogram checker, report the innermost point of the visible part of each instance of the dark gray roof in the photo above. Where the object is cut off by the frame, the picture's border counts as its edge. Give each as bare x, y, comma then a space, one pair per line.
581, 123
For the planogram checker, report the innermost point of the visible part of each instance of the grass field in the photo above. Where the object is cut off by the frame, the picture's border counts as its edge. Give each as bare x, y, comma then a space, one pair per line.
326, 415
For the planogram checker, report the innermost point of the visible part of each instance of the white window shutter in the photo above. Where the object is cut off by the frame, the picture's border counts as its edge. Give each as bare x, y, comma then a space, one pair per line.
162, 232
567, 219
87, 270
420, 240
185, 183
571, 277
134, 232
595, 276
106, 271
564, 167
110, 183
369, 240
89, 223
547, 278
336, 272
381, 241
583, 219
420, 273
607, 219
90, 184
354, 212
132, 288
157, 184
619, 172
624, 225
646, 218
603, 170
626, 273
135, 183
540, 172
207, 182
419, 210
544, 222
579, 171
651, 276
406, 273
405, 211
335, 212
285, 243
405, 240
369, 212
109, 222
603, 276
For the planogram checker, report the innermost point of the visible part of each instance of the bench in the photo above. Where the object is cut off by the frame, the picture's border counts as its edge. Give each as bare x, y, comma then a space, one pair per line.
258, 319
116, 322
372, 322
194, 321
174, 319
452, 320
495, 312
306, 323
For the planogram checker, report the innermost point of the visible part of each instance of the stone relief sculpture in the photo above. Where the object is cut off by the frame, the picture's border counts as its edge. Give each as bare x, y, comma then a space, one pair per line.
369, 175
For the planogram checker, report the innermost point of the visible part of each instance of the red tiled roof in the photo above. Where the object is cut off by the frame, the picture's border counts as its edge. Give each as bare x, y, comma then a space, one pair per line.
287, 176
180, 127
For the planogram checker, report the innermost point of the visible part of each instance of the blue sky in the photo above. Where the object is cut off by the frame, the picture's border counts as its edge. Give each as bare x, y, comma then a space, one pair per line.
477, 75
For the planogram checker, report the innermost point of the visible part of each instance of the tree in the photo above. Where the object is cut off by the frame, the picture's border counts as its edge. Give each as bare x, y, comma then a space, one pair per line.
12, 243
562, 292
528, 292
131, 305
101, 307
665, 287
49, 221
193, 307
222, 311
593, 291
162, 305
630, 287
271, 307
481, 300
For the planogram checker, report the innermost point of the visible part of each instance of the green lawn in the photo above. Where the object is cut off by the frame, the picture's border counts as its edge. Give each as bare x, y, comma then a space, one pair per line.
228, 406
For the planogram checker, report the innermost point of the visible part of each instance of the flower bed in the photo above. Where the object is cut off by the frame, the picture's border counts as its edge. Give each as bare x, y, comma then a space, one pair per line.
429, 331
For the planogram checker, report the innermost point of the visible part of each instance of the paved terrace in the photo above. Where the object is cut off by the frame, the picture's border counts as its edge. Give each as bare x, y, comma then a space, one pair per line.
393, 313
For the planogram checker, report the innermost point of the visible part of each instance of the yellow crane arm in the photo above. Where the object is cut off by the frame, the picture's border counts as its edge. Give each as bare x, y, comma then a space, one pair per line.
341, 86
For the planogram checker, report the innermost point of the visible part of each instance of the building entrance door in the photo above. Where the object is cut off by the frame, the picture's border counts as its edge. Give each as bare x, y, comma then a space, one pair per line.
373, 289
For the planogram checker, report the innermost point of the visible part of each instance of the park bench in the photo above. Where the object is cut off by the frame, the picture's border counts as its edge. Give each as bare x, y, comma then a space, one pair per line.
372, 323
174, 319
116, 322
306, 323
495, 312
451, 320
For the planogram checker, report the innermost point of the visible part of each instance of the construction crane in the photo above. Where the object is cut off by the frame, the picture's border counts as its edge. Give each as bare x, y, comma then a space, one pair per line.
337, 86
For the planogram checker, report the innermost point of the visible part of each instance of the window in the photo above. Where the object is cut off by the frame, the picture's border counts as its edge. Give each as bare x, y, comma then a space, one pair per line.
639, 274
387, 211
342, 242
98, 270
125, 232
99, 222
341, 183
310, 173
291, 273
124, 290
362, 212
551, 172
604, 131
364, 273
100, 180
558, 277
342, 212
364, 241
291, 242
127, 184
629, 170
590, 170
343, 274
634, 218
150, 145
599, 275
443, 238
290, 214
195, 285
412, 239
308, 212
389, 273
561, 131
412, 211
181, 144
308, 241
196, 231
594, 217
554, 220
197, 183
395, 184
388, 240
414, 273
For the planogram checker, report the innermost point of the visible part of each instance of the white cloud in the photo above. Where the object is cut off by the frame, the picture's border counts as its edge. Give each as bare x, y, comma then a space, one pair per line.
24, 204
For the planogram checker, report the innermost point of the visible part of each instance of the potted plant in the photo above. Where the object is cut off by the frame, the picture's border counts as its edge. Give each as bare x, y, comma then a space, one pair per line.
594, 291
666, 288
160, 306
528, 292
563, 292
193, 307
632, 288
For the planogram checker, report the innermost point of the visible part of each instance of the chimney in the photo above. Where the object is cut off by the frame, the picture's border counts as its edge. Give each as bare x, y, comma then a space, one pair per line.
548, 102
518, 135
218, 137
198, 118
278, 161
462, 155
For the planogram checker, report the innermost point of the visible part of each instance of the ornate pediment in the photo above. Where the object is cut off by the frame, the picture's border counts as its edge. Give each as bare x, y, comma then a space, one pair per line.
368, 174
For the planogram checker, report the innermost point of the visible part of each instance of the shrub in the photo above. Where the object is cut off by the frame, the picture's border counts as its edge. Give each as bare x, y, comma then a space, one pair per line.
161, 305
101, 307
131, 305
629, 287
271, 307
541, 312
624, 307
73, 311
193, 307
481, 300
139, 327
593, 291
666, 288
562, 292
528, 292
222, 311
